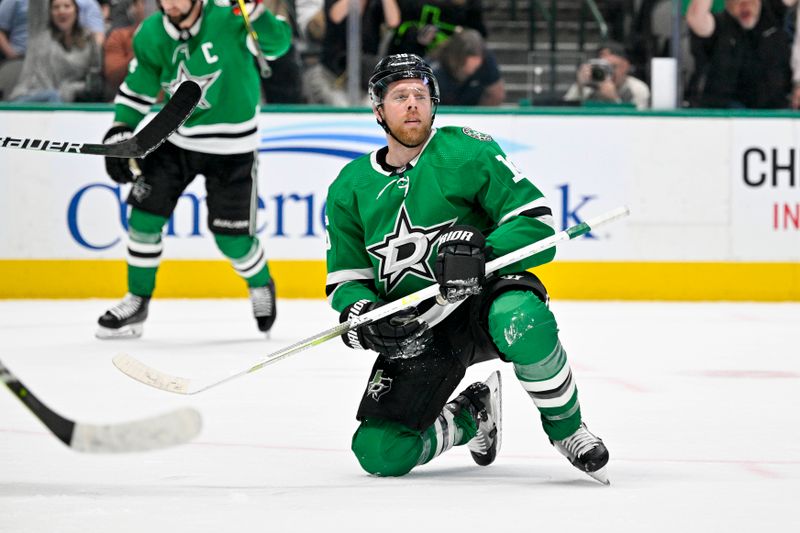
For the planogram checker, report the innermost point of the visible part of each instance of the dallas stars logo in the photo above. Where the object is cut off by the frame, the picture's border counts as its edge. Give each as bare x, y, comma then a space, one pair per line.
203, 81
406, 250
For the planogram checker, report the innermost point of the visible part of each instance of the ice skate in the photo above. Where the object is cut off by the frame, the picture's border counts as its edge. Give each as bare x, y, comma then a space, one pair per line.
586, 452
264, 310
484, 401
125, 320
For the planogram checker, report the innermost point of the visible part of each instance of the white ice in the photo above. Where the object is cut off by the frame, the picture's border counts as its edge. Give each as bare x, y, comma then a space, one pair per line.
697, 403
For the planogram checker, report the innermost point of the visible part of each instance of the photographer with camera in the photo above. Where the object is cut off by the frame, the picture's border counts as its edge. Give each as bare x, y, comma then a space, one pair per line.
605, 79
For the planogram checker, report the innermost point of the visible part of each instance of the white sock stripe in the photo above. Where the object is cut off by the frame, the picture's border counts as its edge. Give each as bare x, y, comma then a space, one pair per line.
440, 425
145, 247
248, 259
558, 401
572, 410
548, 384
451, 429
144, 262
254, 269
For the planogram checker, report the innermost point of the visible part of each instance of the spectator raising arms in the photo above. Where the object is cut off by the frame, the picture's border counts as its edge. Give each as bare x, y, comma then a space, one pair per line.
741, 54
59, 60
425, 24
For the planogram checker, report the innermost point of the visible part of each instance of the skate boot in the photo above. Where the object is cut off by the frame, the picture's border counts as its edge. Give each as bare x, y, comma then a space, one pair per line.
586, 452
484, 402
263, 300
124, 320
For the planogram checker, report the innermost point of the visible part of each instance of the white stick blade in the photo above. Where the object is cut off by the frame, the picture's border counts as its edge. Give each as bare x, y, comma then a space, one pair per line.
139, 371
170, 429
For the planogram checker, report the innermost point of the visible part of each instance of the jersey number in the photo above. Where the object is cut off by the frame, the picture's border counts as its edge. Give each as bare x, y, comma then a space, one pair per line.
518, 176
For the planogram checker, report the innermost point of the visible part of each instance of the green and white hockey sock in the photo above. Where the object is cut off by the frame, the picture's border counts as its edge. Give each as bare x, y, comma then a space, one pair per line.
247, 257
145, 247
525, 331
453, 427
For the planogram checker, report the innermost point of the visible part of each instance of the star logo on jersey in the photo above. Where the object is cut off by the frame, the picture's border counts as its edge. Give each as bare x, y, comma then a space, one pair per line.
407, 250
203, 81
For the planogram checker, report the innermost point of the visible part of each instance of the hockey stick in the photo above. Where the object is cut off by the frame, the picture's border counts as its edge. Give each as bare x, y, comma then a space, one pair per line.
263, 66
155, 378
155, 132
170, 429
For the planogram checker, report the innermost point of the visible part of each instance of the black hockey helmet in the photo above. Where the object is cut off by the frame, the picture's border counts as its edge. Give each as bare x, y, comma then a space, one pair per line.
401, 67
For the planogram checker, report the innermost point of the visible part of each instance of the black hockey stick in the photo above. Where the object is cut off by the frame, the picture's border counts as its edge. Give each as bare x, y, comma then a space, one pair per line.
155, 132
170, 429
148, 375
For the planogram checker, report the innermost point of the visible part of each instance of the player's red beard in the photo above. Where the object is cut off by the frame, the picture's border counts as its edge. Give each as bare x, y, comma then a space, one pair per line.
412, 133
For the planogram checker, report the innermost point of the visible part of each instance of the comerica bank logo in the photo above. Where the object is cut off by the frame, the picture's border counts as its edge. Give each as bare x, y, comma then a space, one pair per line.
288, 215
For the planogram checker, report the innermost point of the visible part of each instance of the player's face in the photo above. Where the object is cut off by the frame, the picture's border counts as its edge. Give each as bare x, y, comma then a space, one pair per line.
176, 10
407, 110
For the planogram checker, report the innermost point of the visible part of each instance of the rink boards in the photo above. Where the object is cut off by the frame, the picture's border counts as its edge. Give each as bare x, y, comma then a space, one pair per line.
715, 203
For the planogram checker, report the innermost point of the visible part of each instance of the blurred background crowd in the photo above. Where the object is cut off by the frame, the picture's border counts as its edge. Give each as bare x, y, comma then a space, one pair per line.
727, 53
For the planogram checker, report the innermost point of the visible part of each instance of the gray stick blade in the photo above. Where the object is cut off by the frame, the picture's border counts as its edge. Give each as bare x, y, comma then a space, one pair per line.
170, 429
139, 371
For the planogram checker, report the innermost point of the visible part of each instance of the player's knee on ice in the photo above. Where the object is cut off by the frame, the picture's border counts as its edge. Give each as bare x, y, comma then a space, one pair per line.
385, 448
523, 327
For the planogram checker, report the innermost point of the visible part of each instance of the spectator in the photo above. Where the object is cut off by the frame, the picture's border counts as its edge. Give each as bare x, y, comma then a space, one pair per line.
467, 71
92, 19
58, 65
606, 79
310, 18
118, 13
37, 15
285, 84
13, 28
425, 24
325, 82
118, 47
742, 55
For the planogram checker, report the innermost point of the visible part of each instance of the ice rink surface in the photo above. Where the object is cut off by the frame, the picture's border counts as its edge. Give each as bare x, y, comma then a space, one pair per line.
698, 404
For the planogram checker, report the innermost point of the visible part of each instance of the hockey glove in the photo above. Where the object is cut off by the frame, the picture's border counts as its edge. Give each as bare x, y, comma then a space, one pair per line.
253, 7
399, 335
118, 168
460, 266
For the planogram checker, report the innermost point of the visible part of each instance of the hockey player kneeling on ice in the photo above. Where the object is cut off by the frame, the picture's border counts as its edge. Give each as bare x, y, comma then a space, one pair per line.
435, 205
206, 42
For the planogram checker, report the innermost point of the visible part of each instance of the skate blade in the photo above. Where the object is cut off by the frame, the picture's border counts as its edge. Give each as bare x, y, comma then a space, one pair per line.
131, 331
601, 476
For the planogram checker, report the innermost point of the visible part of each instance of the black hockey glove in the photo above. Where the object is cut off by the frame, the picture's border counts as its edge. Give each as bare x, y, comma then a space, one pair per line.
118, 168
399, 335
460, 266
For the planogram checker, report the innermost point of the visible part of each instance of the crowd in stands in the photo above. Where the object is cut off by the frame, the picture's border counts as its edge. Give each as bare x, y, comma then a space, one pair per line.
736, 53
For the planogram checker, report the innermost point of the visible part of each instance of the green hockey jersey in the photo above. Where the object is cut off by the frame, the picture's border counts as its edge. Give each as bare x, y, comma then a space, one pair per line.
383, 224
214, 53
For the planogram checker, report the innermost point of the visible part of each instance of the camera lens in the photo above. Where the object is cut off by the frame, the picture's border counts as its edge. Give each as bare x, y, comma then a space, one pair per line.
598, 74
